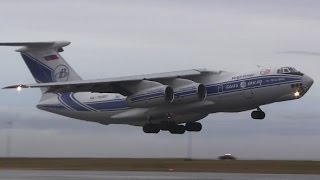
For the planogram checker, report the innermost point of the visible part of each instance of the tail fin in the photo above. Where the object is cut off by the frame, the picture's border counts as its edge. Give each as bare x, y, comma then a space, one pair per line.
44, 61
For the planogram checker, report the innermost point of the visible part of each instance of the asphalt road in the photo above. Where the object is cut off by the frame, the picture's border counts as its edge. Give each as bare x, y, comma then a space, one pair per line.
106, 175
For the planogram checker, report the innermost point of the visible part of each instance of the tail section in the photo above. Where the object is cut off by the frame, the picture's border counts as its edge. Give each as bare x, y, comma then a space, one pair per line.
44, 61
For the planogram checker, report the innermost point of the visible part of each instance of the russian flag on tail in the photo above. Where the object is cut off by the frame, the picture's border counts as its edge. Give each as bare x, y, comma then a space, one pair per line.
51, 57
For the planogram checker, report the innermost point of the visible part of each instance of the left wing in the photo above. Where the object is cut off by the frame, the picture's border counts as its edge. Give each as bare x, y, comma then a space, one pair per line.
121, 85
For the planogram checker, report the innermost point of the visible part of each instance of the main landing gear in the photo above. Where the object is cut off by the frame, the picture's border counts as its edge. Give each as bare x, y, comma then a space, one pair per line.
258, 114
172, 127
151, 128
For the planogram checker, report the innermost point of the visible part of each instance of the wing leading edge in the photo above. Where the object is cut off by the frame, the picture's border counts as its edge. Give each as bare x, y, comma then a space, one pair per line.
111, 85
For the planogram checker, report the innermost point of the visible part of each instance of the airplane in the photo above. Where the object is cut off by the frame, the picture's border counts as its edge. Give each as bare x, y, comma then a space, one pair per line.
172, 101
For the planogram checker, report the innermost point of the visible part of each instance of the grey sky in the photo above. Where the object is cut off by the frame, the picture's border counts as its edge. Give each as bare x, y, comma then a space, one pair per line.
116, 38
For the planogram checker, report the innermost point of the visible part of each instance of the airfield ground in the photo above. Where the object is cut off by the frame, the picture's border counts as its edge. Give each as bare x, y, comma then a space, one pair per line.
123, 164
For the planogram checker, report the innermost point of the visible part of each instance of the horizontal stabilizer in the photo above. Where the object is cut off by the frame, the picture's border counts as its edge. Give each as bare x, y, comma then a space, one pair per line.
52, 44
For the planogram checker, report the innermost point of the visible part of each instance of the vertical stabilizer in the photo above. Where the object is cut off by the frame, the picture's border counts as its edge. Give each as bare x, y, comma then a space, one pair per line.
45, 62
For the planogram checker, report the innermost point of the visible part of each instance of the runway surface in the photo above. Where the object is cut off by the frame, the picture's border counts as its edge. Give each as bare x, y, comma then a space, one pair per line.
106, 175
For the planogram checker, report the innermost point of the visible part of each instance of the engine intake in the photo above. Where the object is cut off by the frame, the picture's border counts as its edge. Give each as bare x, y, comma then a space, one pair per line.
202, 92
169, 94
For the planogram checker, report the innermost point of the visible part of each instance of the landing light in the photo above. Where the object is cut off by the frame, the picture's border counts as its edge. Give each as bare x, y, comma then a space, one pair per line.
19, 88
297, 94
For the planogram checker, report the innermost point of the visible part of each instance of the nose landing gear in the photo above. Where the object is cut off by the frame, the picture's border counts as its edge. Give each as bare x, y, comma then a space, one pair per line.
258, 114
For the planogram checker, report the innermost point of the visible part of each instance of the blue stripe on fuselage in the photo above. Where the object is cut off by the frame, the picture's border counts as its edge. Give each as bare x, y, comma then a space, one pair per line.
110, 105
66, 98
228, 87
69, 100
79, 103
251, 83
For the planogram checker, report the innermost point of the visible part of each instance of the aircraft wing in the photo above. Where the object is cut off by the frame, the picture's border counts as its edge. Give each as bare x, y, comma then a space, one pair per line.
111, 85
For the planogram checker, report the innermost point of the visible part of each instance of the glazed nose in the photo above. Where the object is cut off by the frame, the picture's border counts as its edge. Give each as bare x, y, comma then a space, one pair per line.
307, 81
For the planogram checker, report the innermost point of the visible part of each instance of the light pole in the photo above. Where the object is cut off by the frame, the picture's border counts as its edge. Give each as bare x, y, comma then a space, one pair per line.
189, 146
9, 139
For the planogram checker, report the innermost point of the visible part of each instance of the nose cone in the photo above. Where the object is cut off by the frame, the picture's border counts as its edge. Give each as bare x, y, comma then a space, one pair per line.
307, 82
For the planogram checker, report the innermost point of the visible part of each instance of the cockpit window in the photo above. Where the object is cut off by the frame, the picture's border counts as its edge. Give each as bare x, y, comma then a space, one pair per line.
285, 70
289, 70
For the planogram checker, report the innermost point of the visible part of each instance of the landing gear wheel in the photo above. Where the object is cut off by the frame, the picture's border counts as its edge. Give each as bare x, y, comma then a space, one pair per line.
193, 126
164, 125
258, 114
171, 125
177, 129
151, 128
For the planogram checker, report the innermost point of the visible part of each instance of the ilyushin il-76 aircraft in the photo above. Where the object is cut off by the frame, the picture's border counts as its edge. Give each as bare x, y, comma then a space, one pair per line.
171, 101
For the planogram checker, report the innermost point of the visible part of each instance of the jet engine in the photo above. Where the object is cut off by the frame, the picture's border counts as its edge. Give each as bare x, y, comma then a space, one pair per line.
151, 97
186, 91
190, 93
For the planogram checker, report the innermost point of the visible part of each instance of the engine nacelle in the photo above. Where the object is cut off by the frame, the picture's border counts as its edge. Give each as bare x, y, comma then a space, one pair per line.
190, 93
151, 97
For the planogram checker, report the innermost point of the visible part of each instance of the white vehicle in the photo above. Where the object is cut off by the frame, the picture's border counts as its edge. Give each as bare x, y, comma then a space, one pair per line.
172, 101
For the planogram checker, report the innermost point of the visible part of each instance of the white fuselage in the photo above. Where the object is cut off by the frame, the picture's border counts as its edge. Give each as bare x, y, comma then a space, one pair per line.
226, 92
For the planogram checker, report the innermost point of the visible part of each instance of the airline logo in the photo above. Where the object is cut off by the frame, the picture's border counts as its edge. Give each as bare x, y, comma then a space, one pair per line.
61, 73
243, 84
51, 57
